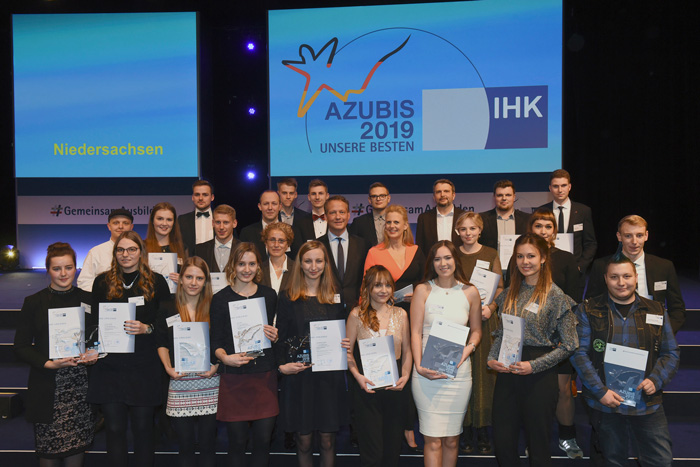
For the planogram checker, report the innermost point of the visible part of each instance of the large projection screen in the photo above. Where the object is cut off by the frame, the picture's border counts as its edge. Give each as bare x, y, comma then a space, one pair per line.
438, 88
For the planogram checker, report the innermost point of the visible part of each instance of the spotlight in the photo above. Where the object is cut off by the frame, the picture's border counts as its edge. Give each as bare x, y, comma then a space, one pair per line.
250, 46
250, 175
9, 257
251, 110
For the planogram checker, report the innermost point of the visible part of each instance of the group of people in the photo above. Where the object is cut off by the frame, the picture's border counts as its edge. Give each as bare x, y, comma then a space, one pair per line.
309, 267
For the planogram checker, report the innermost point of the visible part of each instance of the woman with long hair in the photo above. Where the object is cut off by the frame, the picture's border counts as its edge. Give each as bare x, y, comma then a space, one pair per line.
163, 234
379, 413
128, 385
192, 397
248, 390
310, 401
526, 391
472, 254
406, 263
56, 398
444, 294
566, 275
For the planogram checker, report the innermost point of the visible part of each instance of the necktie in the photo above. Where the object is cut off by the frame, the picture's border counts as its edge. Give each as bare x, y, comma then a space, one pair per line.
200, 214
317, 217
561, 228
341, 259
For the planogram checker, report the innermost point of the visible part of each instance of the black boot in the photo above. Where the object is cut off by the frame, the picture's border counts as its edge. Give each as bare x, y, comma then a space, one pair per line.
466, 441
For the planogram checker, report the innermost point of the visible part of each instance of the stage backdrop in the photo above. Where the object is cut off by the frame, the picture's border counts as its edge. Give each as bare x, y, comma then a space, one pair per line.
105, 117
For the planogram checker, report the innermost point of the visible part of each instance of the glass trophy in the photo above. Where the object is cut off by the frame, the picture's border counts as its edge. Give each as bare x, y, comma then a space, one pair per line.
93, 344
298, 349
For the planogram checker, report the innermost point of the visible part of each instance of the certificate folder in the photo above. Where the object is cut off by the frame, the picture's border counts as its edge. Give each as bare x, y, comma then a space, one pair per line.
624, 371
191, 345
445, 347
114, 338
326, 352
486, 282
164, 264
247, 320
379, 361
512, 342
66, 332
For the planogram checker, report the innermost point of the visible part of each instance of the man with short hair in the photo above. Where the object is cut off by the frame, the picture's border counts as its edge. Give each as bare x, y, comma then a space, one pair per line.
318, 195
99, 258
269, 206
370, 226
503, 219
621, 316
216, 251
196, 226
657, 276
438, 223
347, 252
572, 217
300, 220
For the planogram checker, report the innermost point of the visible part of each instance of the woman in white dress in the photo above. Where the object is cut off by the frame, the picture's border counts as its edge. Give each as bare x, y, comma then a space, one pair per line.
442, 402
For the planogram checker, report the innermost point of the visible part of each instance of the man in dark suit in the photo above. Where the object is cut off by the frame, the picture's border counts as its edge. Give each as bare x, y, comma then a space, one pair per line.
269, 205
318, 195
504, 219
657, 277
438, 223
216, 251
196, 226
572, 217
301, 222
347, 252
370, 226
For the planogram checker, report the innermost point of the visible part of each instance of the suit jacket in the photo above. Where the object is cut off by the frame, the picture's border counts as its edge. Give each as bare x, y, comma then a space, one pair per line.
251, 233
658, 271
206, 252
284, 285
489, 236
187, 230
303, 228
585, 244
354, 269
363, 226
565, 273
426, 229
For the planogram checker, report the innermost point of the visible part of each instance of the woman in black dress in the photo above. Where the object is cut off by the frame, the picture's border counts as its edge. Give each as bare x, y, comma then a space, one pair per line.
310, 402
163, 235
129, 385
57, 397
248, 390
192, 398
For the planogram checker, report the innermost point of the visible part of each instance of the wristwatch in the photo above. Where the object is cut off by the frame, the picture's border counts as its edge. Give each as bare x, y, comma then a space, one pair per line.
149, 328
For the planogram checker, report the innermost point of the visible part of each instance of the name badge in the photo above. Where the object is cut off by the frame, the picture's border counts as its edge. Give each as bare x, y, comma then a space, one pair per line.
336, 298
657, 320
578, 227
436, 309
173, 320
86, 307
483, 264
660, 285
533, 308
139, 301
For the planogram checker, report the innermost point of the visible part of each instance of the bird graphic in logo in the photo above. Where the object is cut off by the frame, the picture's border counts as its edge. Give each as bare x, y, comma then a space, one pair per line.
308, 58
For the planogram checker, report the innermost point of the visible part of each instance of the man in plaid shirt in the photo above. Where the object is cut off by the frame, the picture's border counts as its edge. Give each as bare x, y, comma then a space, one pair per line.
620, 316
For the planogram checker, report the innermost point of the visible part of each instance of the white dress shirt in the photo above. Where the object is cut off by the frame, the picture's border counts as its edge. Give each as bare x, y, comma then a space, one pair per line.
203, 227
567, 213
345, 238
276, 282
97, 261
444, 224
642, 288
222, 251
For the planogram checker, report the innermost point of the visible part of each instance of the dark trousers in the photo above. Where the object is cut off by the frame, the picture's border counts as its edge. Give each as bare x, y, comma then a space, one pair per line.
380, 420
116, 422
531, 401
196, 430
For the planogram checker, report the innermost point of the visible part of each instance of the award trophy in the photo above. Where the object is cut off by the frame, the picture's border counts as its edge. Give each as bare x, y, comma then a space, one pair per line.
298, 349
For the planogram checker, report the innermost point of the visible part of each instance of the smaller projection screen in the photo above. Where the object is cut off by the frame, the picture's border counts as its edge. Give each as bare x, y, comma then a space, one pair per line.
440, 88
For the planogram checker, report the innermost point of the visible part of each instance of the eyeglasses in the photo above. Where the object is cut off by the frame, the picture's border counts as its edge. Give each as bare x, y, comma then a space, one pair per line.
277, 240
378, 197
131, 250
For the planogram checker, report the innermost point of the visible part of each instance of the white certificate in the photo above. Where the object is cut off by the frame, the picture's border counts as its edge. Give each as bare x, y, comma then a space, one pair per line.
624, 371
486, 282
505, 249
399, 295
247, 320
512, 342
111, 323
326, 352
191, 345
379, 361
66, 332
565, 241
218, 281
164, 264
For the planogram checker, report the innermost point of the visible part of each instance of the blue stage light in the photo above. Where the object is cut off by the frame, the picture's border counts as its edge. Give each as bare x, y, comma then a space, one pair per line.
250, 175
250, 46
251, 110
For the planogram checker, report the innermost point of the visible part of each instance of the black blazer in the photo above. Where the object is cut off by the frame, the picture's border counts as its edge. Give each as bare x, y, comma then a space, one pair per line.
251, 234
354, 269
426, 229
565, 273
187, 230
206, 252
266, 281
658, 270
303, 228
585, 244
363, 226
489, 235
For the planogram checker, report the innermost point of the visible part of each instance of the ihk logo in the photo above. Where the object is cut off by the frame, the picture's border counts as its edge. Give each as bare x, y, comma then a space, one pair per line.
56, 210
